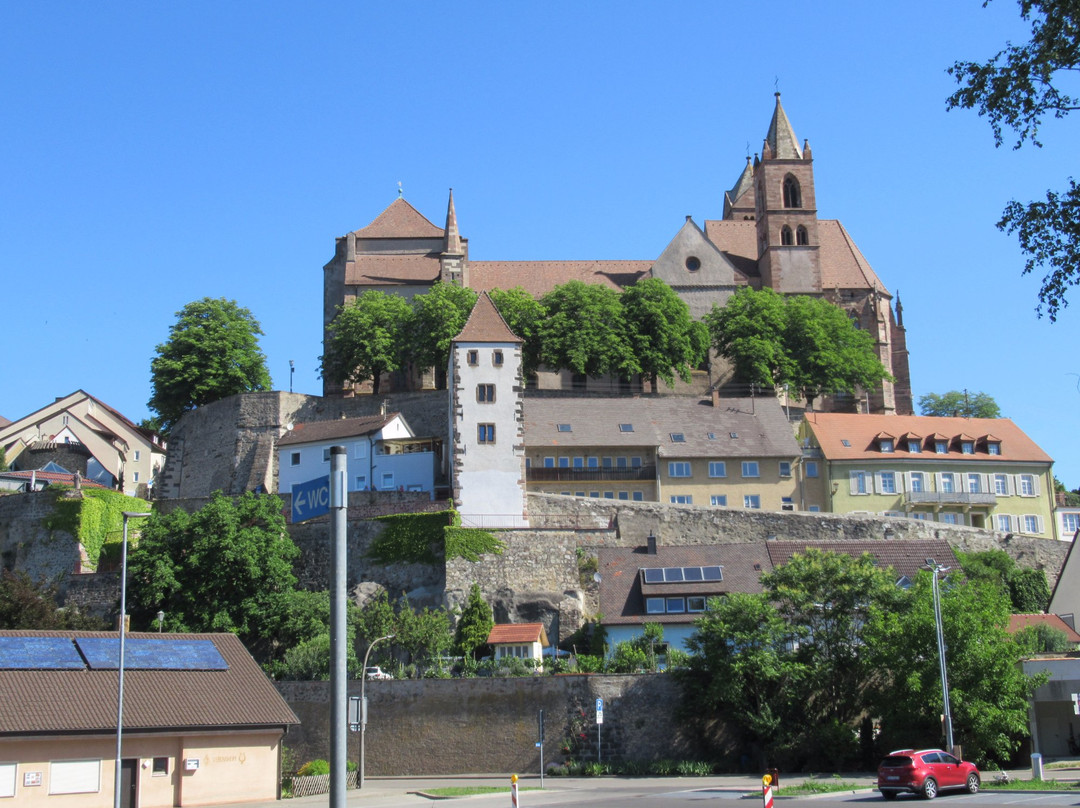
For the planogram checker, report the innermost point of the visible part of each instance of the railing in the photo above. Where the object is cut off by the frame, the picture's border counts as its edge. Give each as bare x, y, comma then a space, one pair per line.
567, 475
949, 498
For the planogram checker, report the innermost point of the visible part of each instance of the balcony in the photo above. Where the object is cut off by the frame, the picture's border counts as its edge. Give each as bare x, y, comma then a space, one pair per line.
568, 475
950, 498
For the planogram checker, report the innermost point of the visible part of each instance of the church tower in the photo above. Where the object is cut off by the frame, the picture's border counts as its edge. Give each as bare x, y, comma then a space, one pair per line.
786, 211
453, 260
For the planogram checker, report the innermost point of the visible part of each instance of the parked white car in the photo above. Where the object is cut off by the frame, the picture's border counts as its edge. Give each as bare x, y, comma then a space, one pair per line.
376, 673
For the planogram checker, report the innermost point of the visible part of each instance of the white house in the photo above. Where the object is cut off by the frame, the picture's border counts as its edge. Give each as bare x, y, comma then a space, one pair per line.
383, 454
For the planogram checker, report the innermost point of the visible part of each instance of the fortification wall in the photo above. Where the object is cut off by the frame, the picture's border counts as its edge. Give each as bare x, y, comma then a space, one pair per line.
27, 544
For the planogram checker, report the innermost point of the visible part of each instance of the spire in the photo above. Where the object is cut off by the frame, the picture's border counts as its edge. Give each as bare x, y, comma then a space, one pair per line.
453, 239
745, 181
781, 138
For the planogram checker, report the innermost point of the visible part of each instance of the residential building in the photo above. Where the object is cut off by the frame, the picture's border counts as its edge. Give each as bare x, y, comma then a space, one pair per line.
1066, 518
80, 433
672, 586
718, 452
769, 236
382, 454
980, 472
1019, 622
202, 723
1065, 599
518, 640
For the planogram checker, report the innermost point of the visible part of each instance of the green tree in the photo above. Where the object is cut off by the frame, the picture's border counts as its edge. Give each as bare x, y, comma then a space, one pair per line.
1042, 639
1016, 89
423, 635
376, 619
212, 352
639, 653
474, 625
437, 318
665, 338
26, 603
988, 692
523, 314
584, 331
365, 339
961, 404
1026, 589
225, 567
804, 342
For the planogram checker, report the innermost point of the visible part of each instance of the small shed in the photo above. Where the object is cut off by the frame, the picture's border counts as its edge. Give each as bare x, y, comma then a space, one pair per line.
202, 724
521, 640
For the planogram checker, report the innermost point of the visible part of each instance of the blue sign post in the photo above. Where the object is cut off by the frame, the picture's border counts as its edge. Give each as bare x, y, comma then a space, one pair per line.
311, 499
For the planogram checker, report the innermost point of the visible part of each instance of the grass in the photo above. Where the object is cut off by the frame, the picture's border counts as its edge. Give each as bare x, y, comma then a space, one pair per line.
471, 791
817, 787
1029, 785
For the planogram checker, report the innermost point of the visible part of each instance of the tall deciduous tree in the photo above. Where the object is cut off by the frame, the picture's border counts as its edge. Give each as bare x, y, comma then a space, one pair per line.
366, 339
665, 338
959, 403
523, 314
29, 604
1017, 89
225, 567
212, 352
585, 332
749, 331
437, 318
474, 625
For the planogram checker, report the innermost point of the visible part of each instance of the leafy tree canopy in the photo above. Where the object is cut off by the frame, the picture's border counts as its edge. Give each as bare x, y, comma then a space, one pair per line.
523, 314
804, 342
961, 404
437, 318
1017, 89
212, 352
584, 331
225, 567
365, 339
1026, 588
29, 604
474, 625
665, 338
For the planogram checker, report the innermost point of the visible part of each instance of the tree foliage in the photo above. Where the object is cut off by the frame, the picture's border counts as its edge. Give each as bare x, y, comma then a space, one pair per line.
225, 567
212, 352
962, 404
523, 314
1017, 89
584, 331
804, 342
365, 339
665, 339
437, 317
1026, 589
26, 603
474, 625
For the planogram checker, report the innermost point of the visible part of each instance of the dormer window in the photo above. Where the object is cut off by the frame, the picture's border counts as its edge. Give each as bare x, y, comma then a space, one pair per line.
941, 447
967, 447
993, 448
914, 446
886, 445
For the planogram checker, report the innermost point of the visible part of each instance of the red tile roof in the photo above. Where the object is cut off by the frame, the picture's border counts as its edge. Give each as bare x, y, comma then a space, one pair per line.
400, 220
340, 428
50, 477
831, 429
905, 556
55, 701
388, 270
540, 277
517, 633
485, 324
1018, 622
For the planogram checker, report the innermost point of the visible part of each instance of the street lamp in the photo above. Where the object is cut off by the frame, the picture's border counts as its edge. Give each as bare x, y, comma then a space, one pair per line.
292, 369
120, 666
363, 706
935, 568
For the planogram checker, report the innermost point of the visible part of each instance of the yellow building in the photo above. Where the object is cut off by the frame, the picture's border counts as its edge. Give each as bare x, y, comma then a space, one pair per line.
980, 472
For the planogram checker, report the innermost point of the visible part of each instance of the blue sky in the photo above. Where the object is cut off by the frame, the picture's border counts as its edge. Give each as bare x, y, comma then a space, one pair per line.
156, 153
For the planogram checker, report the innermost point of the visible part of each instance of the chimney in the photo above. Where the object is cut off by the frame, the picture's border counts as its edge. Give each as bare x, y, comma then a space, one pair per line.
716, 398
651, 543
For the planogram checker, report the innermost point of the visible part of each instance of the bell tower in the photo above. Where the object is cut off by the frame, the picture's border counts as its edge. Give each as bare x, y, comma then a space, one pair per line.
786, 211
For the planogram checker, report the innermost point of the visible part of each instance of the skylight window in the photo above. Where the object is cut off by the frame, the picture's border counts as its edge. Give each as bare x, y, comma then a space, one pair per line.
626, 427
845, 443
678, 437
563, 427
733, 435
711, 435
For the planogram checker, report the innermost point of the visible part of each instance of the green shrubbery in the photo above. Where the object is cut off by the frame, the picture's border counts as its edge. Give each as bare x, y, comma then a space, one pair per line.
96, 519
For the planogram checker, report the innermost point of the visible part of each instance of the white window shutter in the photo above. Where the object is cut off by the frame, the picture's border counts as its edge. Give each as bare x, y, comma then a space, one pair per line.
877, 483
853, 482
1010, 485
940, 484
986, 487
904, 478
1039, 524
1035, 487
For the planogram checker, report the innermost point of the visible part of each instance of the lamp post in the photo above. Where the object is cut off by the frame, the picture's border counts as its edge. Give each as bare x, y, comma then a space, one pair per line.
292, 369
935, 568
120, 666
363, 706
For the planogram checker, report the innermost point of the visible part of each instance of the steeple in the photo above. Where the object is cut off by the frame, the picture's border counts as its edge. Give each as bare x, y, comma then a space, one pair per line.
454, 260
781, 138
739, 201
453, 240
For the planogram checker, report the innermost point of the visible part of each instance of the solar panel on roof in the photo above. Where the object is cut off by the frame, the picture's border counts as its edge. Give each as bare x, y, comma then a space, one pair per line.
103, 653
39, 653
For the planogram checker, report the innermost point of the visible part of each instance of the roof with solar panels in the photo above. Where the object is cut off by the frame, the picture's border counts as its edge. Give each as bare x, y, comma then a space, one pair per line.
56, 681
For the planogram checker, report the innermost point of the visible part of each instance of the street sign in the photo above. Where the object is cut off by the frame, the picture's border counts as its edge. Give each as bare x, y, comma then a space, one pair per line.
599, 711
311, 499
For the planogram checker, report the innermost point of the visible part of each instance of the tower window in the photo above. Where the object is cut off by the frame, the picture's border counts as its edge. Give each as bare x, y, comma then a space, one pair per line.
802, 238
474, 357
485, 392
485, 433
497, 357
786, 238
792, 193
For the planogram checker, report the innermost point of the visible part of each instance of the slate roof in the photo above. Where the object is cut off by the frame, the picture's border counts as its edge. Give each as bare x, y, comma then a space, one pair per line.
34, 702
622, 593
317, 431
905, 556
1018, 622
860, 430
759, 424
517, 633
485, 324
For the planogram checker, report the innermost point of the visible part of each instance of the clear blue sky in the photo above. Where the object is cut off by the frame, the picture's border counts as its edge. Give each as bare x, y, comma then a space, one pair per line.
156, 153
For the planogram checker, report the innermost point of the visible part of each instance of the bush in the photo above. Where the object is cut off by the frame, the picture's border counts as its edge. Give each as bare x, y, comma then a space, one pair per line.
313, 767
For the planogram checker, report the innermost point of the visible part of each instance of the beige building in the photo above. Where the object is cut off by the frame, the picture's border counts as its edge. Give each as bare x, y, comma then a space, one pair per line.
979, 472
202, 723
82, 434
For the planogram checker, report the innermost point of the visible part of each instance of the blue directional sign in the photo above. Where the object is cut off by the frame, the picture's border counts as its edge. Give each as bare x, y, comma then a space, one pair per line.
311, 499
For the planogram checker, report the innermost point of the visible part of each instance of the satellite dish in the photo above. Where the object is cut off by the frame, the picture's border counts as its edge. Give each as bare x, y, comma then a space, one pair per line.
596, 577
288, 427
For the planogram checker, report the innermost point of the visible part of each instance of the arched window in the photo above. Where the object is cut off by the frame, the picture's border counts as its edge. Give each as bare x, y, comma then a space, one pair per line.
802, 238
785, 236
792, 193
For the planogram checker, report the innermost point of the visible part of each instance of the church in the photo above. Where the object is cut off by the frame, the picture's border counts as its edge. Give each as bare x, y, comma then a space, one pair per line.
769, 236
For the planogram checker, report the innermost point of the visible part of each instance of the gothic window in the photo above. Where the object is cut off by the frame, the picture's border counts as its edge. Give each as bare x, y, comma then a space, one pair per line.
802, 238
786, 237
792, 193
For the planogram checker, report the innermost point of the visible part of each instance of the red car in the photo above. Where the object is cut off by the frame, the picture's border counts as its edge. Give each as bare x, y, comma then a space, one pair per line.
925, 772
